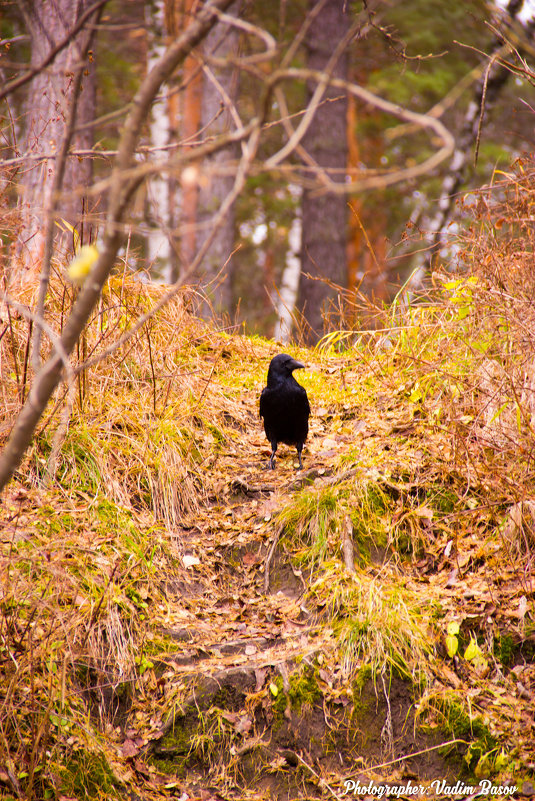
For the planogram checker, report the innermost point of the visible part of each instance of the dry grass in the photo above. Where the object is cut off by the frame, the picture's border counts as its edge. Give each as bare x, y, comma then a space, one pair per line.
424, 429
84, 547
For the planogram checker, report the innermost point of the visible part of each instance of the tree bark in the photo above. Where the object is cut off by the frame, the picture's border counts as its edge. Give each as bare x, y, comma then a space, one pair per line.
190, 125
158, 187
324, 232
48, 106
220, 88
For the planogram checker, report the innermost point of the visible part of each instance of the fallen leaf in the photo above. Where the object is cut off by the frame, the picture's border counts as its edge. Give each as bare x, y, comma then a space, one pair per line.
190, 561
452, 578
243, 725
452, 644
129, 749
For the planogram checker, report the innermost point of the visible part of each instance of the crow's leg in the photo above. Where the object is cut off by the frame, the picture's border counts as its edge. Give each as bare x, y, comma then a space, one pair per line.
274, 445
299, 450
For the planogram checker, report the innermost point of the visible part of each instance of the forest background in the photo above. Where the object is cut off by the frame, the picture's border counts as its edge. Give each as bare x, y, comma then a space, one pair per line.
460, 64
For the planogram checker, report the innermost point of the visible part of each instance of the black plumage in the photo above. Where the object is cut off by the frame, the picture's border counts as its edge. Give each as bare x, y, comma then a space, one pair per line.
284, 406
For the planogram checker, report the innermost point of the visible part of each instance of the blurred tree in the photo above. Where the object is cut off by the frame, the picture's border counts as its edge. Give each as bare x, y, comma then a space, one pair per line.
59, 105
439, 67
161, 124
210, 87
485, 93
324, 215
218, 105
189, 127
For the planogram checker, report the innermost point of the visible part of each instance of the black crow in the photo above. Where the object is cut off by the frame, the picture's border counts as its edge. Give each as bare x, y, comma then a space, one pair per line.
284, 406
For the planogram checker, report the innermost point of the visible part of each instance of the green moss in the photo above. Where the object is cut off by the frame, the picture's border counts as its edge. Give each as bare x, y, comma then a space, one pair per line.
505, 649
303, 692
86, 775
442, 499
178, 740
460, 725
361, 679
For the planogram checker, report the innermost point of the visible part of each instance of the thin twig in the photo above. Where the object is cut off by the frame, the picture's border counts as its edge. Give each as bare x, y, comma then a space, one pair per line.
318, 777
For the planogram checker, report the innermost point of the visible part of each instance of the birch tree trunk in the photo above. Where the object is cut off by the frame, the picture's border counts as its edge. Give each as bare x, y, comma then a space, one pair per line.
286, 300
158, 245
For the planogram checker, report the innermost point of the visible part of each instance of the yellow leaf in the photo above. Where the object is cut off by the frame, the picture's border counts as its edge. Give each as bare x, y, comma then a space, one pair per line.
67, 227
81, 265
472, 650
452, 644
274, 689
453, 628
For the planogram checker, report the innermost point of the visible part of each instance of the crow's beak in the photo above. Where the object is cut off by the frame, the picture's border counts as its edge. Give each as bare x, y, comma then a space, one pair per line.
295, 365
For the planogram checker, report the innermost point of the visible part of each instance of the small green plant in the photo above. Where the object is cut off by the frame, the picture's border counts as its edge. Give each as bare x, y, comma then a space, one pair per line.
378, 623
317, 520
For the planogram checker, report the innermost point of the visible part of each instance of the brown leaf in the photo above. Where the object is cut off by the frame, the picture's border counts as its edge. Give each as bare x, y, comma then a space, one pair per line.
452, 578
129, 749
260, 676
141, 767
243, 725
250, 558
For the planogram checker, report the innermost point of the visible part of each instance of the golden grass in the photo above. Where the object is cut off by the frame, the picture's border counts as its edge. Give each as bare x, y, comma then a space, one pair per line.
425, 431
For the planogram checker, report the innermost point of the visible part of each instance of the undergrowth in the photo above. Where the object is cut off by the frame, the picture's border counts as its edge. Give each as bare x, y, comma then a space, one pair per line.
415, 512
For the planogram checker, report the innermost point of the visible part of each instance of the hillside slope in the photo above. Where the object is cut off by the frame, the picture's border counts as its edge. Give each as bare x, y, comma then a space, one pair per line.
178, 621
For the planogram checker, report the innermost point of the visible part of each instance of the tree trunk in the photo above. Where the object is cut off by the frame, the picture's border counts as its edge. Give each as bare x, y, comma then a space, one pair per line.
48, 107
220, 86
486, 93
190, 124
158, 190
324, 233
287, 296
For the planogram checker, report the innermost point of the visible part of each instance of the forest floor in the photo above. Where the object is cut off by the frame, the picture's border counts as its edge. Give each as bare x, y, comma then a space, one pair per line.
179, 621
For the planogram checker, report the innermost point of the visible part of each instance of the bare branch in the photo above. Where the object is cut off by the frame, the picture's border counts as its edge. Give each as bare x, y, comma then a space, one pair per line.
248, 27
250, 150
380, 181
324, 79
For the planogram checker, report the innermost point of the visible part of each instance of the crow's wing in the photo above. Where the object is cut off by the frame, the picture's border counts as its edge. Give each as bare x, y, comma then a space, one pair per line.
306, 404
263, 402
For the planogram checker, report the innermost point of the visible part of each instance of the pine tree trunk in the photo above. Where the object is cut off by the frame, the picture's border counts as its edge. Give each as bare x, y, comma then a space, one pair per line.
324, 233
218, 83
190, 125
47, 109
